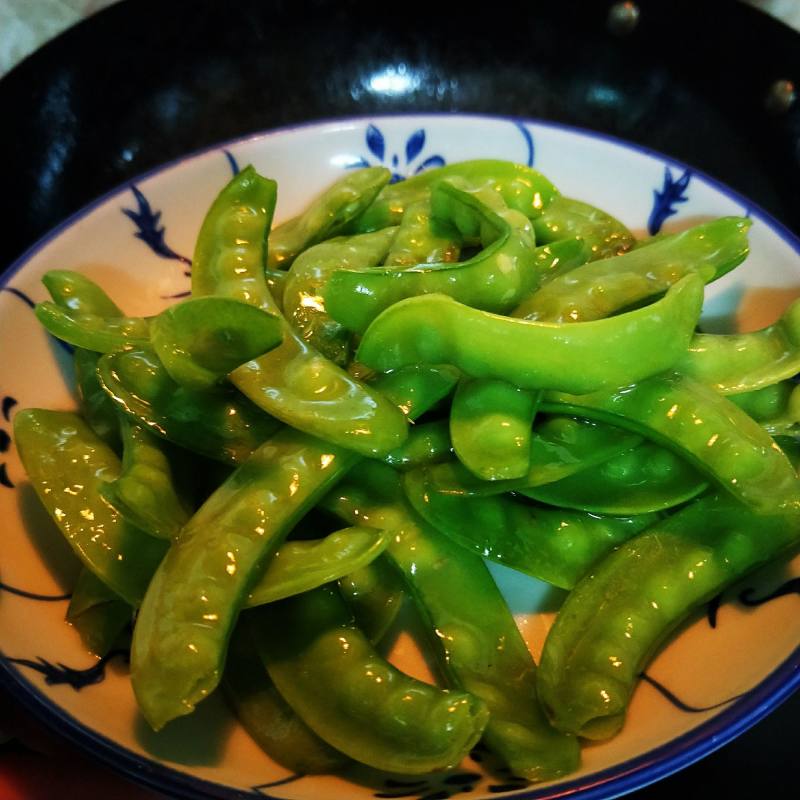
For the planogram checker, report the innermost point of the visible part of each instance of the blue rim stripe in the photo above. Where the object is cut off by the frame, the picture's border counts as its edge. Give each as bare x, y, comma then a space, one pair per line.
620, 779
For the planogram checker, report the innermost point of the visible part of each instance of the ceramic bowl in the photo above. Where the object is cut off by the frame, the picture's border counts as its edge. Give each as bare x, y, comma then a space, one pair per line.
720, 674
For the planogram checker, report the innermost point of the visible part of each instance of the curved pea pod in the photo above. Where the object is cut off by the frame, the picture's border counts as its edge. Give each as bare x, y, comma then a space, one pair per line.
423, 239
268, 718
144, 493
98, 614
495, 279
703, 427
521, 188
490, 428
75, 292
303, 304
554, 545
276, 283
66, 464
194, 599
327, 215
744, 362
199, 341
96, 406
231, 249
93, 332
219, 423
646, 479
299, 566
601, 288
776, 407
584, 357
565, 218
619, 614
477, 643
352, 698
428, 443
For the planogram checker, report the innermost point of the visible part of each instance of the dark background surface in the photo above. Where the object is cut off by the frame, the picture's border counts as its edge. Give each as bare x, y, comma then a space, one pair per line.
144, 82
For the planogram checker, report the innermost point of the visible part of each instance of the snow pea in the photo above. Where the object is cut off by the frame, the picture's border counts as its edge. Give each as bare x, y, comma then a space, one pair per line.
199, 341
427, 443
572, 357
268, 718
775, 407
327, 216
231, 249
490, 428
477, 643
495, 279
423, 239
703, 427
67, 463
98, 614
75, 292
647, 478
145, 492
96, 406
618, 615
553, 545
601, 288
521, 188
218, 423
565, 218
298, 566
743, 362
195, 597
303, 304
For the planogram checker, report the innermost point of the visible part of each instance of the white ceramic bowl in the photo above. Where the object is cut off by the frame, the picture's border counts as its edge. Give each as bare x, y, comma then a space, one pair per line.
710, 683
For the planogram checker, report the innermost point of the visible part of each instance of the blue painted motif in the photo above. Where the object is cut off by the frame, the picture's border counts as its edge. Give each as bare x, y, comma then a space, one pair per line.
435, 787
5, 442
149, 227
47, 598
282, 782
4, 479
526, 134
8, 404
59, 674
415, 144
680, 704
672, 192
792, 586
233, 162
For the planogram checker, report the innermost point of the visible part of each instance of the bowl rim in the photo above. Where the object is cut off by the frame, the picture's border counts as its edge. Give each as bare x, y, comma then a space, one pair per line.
634, 773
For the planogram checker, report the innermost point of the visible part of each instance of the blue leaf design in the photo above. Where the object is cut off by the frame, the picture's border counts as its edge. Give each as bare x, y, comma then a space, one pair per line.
48, 598
526, 134
414, 145
672, 192
148, 228
680, 704
55, 674
430, 163
5, 441
234, 164
4, 479
8, 403
357, 163
375, 142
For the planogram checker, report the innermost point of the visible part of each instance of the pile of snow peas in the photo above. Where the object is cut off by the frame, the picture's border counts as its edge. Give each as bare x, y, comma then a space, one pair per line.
365, 403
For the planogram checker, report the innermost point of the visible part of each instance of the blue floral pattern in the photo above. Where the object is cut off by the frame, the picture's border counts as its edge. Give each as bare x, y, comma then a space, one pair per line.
5, 441
673, 191
415, 144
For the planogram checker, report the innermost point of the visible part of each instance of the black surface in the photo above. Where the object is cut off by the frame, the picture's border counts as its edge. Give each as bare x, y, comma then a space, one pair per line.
144, 82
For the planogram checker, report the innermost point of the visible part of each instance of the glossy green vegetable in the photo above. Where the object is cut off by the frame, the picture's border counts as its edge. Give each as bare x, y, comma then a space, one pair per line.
303, 565
98, 614
96, 406
572, 357
323, 665
67, 463
601, 288
702, 426
775, 407
554, 545
220, 423
615, 619
423, 239
427, 443
75, 292
490, 428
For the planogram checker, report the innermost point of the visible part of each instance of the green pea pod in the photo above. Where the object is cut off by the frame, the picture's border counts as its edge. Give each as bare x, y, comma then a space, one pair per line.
495, 279
775, 407
93, 332
67, 463
276, 283
303, 565
423, 239
744, 362
602, 288
374, 594
199, 341
490, 427
352, 698
97, 408
194, 598
145, 493
521, 188
553, 545
618, 615
701, 426
477, 643
428, 443
74, 292
327, 216
645, 479
268, 718
565, 218
231, 249
98, 614
303, 304
585, 357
